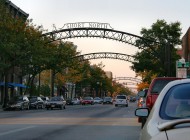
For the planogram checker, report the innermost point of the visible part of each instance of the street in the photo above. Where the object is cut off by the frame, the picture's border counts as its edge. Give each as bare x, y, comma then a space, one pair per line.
95, 122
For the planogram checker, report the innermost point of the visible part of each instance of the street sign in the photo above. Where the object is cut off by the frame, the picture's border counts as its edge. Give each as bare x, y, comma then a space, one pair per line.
182, 65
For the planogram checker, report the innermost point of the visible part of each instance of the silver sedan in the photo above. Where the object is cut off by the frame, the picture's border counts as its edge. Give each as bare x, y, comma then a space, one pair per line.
169, 119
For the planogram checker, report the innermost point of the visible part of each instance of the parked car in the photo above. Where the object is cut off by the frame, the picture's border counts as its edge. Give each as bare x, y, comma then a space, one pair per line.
98, 100
107, 100
76, 101
69, 101
18, 102
56, 102
36, 102
87, 100
169, 119
121, 100
45, 99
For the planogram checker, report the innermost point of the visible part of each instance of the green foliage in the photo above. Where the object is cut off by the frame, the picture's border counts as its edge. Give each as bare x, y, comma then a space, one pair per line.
45, 90
153, 57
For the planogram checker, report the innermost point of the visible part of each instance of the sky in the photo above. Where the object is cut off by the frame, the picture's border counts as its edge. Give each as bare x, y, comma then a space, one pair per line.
123, 15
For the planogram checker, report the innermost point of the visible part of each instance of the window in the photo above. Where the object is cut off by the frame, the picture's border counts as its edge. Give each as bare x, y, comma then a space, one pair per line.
176, 103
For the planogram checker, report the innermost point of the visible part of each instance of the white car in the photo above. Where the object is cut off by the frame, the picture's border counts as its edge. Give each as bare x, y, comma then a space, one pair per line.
76, 101
121, 100
98, 100
169, 118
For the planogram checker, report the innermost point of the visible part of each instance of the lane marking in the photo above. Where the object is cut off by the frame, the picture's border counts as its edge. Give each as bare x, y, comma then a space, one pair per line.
16, 130
73, 121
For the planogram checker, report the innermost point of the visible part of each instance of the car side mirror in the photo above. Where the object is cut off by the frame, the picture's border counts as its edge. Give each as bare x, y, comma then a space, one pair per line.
142, 112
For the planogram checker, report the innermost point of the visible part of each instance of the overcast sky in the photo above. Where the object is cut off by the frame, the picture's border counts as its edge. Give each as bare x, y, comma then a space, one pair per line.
123, 15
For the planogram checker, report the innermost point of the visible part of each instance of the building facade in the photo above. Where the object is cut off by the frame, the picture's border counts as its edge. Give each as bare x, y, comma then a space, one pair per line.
186, 45
13, 78
186, 49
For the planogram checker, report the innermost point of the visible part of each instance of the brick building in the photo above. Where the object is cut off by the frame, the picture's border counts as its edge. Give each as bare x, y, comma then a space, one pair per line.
186, 45
13, 78
186, 48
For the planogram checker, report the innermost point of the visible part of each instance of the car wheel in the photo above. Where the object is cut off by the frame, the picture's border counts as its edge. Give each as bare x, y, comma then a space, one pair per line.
116, 105
127, 105
47, 108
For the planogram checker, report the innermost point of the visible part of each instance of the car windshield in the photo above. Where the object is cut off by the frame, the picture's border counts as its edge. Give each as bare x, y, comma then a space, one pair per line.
44, 98
176, 103
107, 98
121, 97
159, 85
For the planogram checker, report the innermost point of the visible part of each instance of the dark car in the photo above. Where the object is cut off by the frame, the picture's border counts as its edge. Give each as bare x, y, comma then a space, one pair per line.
107, 100
132, 99
36, 102
69, 101
87, 100
56, 102
18, 102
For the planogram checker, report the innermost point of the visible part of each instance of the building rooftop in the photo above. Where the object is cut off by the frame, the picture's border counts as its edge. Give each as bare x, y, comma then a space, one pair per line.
16, 11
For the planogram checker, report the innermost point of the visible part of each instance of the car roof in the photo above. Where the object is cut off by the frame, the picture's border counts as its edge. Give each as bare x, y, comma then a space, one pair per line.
167, 78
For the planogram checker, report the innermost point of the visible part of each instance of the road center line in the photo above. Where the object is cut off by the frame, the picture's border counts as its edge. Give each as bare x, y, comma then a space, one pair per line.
16, 130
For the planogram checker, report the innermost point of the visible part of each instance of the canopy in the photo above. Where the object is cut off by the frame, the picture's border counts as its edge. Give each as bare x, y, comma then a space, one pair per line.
13, 85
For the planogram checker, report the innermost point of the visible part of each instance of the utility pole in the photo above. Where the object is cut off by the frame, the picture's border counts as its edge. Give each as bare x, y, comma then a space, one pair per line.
168, 51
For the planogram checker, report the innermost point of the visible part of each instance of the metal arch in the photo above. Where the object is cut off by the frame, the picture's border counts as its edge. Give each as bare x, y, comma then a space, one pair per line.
104, 55
96, 32
127, 78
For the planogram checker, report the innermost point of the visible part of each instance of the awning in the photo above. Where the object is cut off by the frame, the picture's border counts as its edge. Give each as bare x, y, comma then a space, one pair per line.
17, 85
13, 85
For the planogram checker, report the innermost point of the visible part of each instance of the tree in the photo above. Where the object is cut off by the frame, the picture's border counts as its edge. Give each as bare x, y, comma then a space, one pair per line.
158, 56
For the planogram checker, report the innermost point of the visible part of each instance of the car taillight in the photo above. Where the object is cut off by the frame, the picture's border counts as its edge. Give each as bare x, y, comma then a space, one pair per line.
149, 101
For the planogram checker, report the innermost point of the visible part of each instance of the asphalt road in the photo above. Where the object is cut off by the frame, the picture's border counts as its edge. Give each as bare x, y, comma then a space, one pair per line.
89, 122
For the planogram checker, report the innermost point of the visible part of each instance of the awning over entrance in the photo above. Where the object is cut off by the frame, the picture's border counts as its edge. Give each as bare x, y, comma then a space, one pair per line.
13, 85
